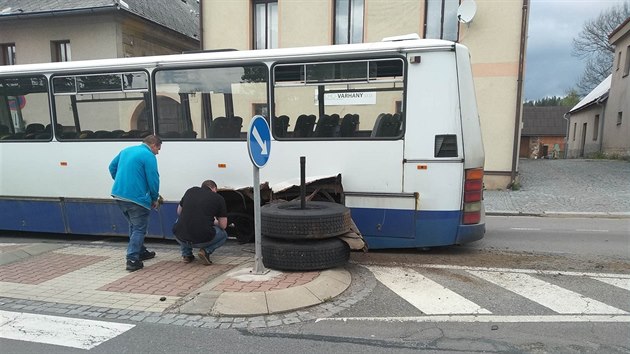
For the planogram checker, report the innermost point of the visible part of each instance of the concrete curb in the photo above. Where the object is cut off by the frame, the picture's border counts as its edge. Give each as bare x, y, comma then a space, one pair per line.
329, 284
562, 214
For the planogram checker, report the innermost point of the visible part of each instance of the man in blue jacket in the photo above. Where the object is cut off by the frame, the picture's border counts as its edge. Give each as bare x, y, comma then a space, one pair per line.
136, 190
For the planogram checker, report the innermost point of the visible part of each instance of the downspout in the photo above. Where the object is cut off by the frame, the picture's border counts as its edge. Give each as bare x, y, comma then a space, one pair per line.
201, 25
599, 102
567, 117
519, 91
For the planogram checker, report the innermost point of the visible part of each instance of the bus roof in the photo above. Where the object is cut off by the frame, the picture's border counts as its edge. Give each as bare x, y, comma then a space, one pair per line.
261, 54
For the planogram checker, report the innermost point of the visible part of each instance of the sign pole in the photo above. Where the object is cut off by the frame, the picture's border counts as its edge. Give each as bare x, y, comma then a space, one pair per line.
258, 146
259, 268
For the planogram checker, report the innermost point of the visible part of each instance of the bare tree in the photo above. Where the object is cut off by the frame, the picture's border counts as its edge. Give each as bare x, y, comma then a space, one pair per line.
592, 45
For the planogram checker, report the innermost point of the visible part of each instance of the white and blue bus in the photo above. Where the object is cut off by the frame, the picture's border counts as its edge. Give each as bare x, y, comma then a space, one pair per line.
389, 129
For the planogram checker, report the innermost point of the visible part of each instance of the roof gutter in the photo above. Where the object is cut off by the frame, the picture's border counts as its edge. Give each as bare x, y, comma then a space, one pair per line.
519, 91
53, 13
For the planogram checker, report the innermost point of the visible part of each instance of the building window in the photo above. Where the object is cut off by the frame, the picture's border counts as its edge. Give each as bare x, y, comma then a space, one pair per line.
574, 130
626, 68
596, 127
618, 61
265, 24
348, 21
7, 57
61, 51
441, 19
619, 117
260, 109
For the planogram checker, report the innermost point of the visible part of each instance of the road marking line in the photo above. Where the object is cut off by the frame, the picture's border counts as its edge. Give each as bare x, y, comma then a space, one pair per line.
587, 230
423, 293
526, 271
549, 295
621, 283
490, 318
64, 331
525, 228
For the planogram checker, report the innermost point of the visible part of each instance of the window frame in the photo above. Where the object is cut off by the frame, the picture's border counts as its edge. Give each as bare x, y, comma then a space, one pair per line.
626, 67
61, 51
270, 34
352, 27
428, 19
7, 56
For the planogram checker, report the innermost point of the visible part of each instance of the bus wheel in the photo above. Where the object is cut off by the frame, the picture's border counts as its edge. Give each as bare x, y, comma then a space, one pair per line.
241, 227
304, 255
318, 220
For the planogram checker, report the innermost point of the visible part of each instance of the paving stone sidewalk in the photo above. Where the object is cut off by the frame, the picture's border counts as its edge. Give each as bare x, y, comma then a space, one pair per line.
572, 187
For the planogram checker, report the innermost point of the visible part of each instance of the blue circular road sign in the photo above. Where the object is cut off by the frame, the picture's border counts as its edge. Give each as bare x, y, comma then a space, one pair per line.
259, 141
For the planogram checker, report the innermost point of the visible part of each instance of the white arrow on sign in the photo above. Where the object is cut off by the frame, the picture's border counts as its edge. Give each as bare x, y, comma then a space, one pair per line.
260, 141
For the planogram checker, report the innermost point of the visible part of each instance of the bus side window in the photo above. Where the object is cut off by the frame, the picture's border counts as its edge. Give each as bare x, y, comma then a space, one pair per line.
102, 106
24, 109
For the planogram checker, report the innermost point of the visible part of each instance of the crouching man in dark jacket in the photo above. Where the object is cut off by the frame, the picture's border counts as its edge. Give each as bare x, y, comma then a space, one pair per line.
202, 222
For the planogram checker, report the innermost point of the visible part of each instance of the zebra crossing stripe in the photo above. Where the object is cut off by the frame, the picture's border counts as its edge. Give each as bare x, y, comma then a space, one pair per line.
620, 283
549, 295
423, 293
64, 331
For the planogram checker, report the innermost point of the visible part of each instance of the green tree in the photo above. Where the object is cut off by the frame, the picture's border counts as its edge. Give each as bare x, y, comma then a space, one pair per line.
571, 99
592, 45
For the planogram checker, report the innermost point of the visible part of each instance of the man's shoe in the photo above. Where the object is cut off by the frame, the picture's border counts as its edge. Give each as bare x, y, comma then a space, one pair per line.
132, 266
188, 259
146, 255
205, 257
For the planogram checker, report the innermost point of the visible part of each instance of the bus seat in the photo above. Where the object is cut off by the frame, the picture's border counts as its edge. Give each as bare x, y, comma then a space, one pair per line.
376, 131
171, 135
117, 133
304, 126
390, 127
102, 134
189, 134
133, 133
42, 135
69, 135
235, 124
219, 127
34, 128
280, 126
349, 125
4, 131
86, 134
144, 134
327, 125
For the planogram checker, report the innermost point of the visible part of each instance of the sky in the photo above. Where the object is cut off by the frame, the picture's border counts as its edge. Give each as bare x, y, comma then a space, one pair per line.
551, 70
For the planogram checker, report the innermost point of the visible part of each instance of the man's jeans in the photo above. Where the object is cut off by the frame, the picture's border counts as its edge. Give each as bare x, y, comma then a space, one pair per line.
138, 219
210, 246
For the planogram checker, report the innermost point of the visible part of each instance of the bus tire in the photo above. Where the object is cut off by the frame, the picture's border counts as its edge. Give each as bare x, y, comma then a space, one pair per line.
304, 255
319, 220
241, 227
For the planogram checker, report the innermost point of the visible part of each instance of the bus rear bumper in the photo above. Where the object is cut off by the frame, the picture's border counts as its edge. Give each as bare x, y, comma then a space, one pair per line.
470, 233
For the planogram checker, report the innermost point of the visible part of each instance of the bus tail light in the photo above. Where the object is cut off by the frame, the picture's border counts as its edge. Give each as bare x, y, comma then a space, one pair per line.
473, 189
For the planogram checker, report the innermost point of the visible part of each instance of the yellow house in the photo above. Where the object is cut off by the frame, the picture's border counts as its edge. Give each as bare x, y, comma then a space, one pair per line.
494, 31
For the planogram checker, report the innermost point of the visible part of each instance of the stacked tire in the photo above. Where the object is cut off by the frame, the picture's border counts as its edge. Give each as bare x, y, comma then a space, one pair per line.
297, 239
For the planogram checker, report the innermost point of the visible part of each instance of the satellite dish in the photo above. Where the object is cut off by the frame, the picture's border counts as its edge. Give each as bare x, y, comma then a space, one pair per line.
466, 11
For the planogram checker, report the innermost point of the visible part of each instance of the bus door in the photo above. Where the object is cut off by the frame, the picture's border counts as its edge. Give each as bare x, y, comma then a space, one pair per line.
433, 162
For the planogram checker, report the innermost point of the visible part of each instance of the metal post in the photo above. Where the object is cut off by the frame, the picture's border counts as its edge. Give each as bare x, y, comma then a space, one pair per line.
259, 268
302, 182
